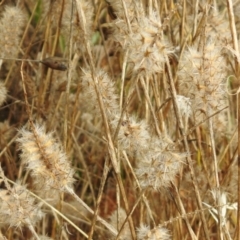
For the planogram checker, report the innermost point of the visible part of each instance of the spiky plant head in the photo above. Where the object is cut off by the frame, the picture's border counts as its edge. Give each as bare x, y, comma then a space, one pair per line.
133, 135
201, 75
157, 233
44, 157
146, 45
184, 105
158, 164
107, 90
18, 208
11, 27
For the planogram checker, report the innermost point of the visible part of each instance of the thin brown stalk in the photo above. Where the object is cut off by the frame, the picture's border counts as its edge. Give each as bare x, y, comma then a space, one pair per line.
183, 212
105, 120
215, 163
85, 169
138, 184
150, 106
189, 160
99, 198
126, 16
195, 18
72, 64
237, 67
183, 21
123, 78
82, 203
129, 215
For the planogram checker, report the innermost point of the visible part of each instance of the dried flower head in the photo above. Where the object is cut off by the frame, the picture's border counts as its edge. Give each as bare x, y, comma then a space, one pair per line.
158, 164
132, 135
45, 159
184, 105
201, 77
11, 25
17, 208
218, 28
158, 233
107, 89
146, 44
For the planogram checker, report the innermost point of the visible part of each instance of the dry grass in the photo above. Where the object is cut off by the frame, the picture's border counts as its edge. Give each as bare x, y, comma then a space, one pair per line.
118, 119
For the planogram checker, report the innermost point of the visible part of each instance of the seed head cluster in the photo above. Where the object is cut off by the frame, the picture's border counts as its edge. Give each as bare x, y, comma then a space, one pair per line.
44, 157
146, 44
158, 233
11, 27
201, 75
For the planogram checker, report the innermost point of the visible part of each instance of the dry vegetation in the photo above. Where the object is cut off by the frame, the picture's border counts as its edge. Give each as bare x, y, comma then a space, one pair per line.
118, 119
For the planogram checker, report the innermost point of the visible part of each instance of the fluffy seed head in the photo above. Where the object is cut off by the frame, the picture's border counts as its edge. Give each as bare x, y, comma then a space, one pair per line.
201, 77
158, 233
18, 209
184, 105
45, 159
146, 45
132, 135
11, 25
158, 165
107, 90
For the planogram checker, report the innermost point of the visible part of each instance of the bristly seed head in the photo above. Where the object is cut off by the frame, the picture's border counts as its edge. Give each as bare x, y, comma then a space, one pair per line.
45, 159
